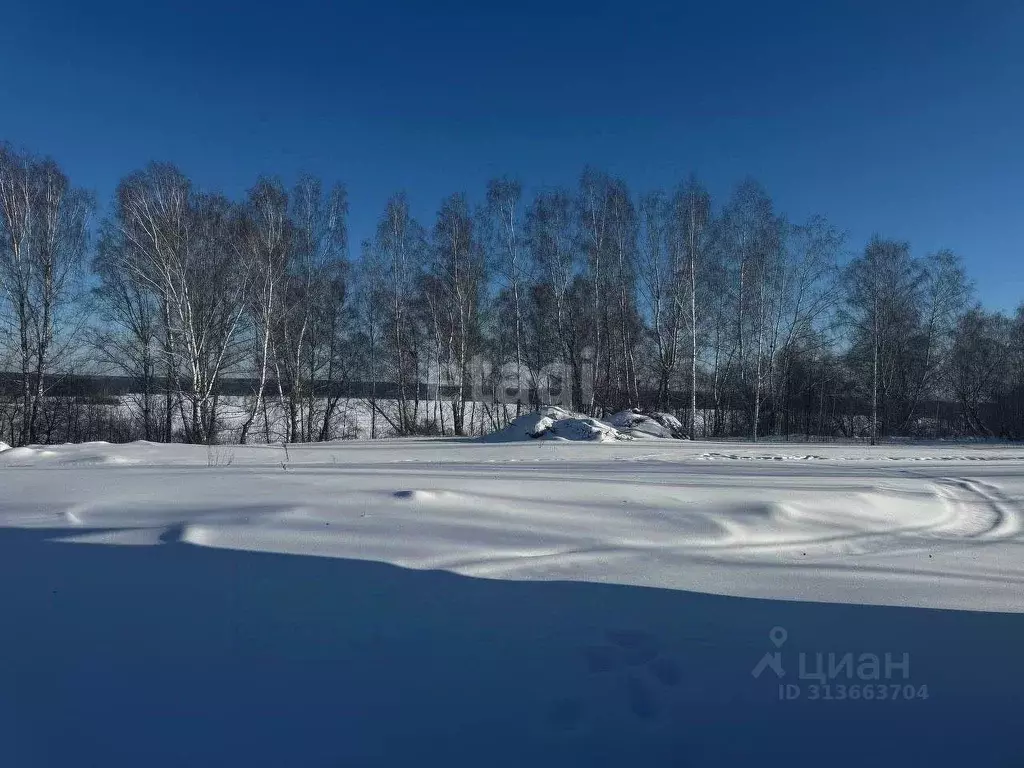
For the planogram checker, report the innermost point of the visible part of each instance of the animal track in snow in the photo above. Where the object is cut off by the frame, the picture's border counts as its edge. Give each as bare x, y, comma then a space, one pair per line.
636, 659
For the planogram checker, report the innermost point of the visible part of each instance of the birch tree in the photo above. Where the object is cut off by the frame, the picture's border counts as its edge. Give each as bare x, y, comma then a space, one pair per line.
556, 316
690, 244
624, 332
457, 282
128, 335
659, 291
593, 203
266, 241
750, 241
395, 277
979, 369
512, 265
944, 292
880, 301
43, 238
184, 242
314, 301
803, 324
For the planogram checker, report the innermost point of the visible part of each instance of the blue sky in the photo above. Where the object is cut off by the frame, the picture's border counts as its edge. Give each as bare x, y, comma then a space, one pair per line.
902, 118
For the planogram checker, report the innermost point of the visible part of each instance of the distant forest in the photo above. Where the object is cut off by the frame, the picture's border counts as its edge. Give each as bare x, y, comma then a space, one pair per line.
725, 313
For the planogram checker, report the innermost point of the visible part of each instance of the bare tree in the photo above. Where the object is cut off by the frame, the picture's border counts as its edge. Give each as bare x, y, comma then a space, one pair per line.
555, 317
751, 245
457, 282
151, 210
944, 293
394, 268
882, 297
593, 213
314, 298
188, 259
43, 230
266, 241
622, 234
503, 210
659, 289
128, 335
692, 232
803, 323
979, 366
369, 326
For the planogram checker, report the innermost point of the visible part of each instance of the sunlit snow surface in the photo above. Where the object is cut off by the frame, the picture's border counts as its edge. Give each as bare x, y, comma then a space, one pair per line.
422, 602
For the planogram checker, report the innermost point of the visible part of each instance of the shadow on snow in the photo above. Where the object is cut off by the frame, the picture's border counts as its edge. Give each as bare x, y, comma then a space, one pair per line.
180, 655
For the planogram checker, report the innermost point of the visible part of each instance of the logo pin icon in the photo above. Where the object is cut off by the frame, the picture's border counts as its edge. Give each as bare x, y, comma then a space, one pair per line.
772, 661
778, 636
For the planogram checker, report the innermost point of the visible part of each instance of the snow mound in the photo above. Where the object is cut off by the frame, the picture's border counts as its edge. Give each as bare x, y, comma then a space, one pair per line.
68, 454
553, 423
4, 446
637, 423
27, 453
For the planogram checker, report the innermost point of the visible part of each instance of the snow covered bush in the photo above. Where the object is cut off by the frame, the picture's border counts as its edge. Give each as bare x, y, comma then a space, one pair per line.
656, 424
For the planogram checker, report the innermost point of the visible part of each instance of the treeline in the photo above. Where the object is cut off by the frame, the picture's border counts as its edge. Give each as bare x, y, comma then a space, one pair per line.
740, 322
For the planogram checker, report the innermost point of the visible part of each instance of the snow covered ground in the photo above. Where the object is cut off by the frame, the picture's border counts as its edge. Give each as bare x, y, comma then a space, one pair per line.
466, 603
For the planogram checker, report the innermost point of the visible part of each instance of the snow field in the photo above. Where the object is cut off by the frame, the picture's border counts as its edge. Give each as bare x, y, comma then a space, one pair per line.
541, 602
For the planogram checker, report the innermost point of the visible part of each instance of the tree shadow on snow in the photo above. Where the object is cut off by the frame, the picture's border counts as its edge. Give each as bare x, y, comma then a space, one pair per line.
178, 655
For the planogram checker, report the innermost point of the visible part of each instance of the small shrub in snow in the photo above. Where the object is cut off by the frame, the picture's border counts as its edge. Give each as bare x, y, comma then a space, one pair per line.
218, 457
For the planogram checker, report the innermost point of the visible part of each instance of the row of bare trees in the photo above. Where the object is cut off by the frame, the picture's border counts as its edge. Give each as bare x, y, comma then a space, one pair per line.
192, 287
732, 317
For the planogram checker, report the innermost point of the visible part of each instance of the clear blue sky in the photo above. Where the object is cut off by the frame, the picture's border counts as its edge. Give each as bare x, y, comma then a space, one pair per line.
905, 118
